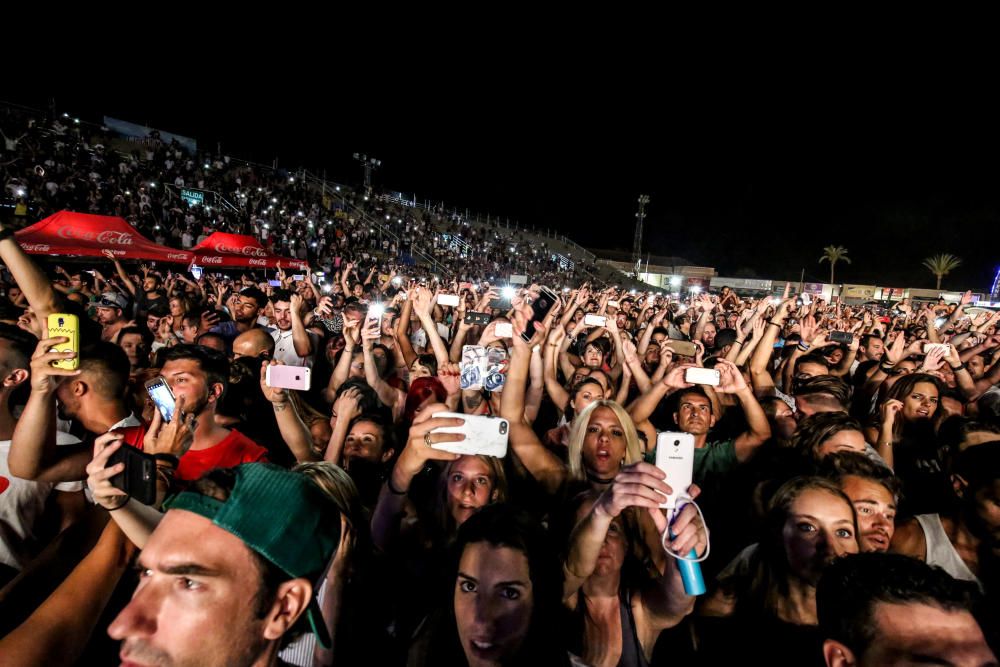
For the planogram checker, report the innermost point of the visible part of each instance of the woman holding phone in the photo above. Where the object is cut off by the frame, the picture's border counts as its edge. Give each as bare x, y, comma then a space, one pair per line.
620, 605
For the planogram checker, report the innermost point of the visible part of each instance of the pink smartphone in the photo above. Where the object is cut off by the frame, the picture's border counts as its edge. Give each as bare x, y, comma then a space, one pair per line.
288, 377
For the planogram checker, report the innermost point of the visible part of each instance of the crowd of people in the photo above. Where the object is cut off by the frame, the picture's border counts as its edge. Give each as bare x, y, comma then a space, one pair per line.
844, 510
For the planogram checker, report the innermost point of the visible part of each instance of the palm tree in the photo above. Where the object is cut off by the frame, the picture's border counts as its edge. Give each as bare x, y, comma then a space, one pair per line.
834, 254
941, 265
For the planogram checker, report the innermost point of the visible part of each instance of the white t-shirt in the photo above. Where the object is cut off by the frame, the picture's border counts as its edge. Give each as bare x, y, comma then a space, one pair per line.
284, 348
22, 501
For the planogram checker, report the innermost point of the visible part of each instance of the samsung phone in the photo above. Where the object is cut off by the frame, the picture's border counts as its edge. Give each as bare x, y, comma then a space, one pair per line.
675, 457
64, 324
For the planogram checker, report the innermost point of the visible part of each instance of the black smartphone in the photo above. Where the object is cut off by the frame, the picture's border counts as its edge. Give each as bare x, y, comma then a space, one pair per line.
138, 479
540, 307
842, 337
472, 317
500, 304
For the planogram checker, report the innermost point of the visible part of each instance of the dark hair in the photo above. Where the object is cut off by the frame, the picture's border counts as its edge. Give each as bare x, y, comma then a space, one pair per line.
280, 295
770, 567
839, 465
852, 587
825, 384
865, 339
428, 360
908, 383
811, 358
368, 401
725, 337
979, 465
577, 388
378, 418
22, 346
158, 310
212, 334
213, 363
815, 429
501, 525
255, 294
110, 367
385, 366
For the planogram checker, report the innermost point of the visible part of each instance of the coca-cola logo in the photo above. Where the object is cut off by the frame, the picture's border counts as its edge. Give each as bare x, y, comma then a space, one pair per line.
36, 247
106, 237
257, 262
178, 255
211, 260
249, 251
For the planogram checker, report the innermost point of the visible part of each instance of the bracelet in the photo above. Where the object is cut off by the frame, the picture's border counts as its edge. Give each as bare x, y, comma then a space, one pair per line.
392, 489
960, 367
737, 342
804, 347
775, 324
127, 498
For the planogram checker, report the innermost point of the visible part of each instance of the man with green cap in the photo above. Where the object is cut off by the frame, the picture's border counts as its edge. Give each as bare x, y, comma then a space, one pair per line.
228, 576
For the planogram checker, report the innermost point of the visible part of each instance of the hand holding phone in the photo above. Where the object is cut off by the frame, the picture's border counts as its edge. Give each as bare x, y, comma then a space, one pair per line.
483, 435
67, 326
706, 376
288, 377
163, 398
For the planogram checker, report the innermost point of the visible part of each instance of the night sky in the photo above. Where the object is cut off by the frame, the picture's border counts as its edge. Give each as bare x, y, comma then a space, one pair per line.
753, 181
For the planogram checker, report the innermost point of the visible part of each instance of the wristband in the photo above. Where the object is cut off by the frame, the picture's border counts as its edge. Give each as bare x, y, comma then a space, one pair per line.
112, 509
960, 367
772, 323
803, 347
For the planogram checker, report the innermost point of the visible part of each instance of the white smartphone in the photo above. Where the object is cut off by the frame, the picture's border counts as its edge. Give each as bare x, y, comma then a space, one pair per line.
612, 304
592, 320
298, 276
503, 330
288, 377
483, 434
935, 346
675, 457
448, 300
709, 376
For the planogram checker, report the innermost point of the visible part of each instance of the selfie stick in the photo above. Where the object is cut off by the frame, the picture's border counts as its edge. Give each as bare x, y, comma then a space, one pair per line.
689, 566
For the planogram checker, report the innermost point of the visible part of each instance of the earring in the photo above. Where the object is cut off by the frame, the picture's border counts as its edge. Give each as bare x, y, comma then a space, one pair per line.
622, 464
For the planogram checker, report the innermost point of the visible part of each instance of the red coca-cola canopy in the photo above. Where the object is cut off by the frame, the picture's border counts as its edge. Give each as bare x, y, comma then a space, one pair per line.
69, 233
221, 249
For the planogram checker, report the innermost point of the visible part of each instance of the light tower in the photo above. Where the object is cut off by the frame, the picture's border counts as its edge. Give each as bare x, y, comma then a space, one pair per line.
637, 243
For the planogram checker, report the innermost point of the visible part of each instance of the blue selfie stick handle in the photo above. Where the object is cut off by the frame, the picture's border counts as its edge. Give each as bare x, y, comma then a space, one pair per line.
694, 583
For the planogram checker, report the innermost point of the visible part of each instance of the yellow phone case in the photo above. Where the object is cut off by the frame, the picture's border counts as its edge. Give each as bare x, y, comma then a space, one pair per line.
64, 324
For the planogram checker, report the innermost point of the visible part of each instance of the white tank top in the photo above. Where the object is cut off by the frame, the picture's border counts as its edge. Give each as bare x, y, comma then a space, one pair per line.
940, 551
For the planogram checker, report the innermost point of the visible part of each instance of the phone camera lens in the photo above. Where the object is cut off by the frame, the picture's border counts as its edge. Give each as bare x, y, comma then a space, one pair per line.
677, 443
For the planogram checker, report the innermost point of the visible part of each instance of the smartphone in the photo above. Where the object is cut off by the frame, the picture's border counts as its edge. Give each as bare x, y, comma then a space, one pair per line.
683, 348
540, 307
298, 276
675, 457
473, 317
503, 330
465, 286
709, 376
592, 320
612, 304
805, 299
162, 397
64, 324
274, 283
842, 337
933, 346
138, 479
196, 271
288, 377
484, 435
448, 300
500, 304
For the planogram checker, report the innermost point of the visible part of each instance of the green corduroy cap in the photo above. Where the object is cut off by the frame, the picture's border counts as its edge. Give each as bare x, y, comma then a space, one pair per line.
280, 515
